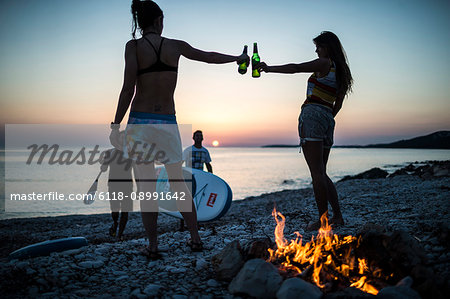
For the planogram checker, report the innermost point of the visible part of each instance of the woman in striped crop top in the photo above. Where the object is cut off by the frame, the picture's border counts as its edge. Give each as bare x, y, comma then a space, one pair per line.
330, 82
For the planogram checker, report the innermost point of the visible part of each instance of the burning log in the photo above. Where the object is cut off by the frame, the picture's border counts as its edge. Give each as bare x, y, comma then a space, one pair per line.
328, 261
339, 266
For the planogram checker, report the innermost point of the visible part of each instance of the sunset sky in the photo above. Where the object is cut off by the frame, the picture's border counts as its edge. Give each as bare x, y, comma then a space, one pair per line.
62, 62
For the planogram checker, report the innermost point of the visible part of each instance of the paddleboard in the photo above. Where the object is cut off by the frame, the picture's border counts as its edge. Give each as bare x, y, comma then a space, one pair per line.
212, 195
47, 247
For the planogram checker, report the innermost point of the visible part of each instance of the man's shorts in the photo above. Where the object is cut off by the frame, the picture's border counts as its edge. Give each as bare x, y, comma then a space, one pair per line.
316, 123
120, 199
152, 137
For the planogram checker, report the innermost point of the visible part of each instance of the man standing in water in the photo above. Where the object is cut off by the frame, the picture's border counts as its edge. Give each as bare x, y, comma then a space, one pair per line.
196, 155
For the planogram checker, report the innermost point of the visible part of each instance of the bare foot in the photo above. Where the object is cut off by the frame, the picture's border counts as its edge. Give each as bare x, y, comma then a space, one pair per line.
150, 254
338, 221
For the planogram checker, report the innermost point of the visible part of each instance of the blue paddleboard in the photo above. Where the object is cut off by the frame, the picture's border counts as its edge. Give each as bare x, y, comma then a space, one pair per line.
47, 247
212, 195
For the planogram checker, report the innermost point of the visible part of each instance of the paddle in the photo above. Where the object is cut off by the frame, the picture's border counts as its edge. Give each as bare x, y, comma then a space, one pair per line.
89, 198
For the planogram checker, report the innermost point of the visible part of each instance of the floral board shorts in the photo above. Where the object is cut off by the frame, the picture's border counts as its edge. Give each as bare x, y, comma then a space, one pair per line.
316, 123
152, 137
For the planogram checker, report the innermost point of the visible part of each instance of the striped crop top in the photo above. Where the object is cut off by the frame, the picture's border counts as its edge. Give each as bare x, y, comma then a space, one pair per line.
322, 91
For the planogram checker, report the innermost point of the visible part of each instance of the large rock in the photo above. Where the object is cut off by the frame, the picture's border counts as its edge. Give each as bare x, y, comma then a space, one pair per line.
152, 290
349, 293
405, 252
228, 262
256, 249
374, 173
298, 288
398, 292
258, 279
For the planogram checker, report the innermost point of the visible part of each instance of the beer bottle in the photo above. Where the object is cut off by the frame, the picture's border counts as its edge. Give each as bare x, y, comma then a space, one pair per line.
242, 69
255, 60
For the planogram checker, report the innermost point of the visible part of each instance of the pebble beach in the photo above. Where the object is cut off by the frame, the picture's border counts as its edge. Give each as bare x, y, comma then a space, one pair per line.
106, 268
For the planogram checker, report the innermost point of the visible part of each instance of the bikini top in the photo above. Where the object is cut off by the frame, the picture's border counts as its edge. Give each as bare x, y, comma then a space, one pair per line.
158, 66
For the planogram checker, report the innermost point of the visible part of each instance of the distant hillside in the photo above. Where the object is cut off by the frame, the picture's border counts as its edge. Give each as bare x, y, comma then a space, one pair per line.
437, 140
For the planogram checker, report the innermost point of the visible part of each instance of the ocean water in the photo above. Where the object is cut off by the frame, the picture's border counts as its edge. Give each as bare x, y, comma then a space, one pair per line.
248, 171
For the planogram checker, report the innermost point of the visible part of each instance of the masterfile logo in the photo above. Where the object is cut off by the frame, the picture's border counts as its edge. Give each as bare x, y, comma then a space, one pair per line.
211, 200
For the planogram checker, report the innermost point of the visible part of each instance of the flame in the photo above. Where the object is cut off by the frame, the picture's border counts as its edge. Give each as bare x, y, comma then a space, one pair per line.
364, 286
327, 255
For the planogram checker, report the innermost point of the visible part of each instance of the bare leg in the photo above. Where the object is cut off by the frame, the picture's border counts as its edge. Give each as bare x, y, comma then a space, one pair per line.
113, 228
177, 183
332, 193
122, 223
313, 152
146, 182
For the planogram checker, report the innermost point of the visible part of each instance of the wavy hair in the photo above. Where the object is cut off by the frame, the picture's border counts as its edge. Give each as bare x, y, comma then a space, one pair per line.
144, 14
331, 42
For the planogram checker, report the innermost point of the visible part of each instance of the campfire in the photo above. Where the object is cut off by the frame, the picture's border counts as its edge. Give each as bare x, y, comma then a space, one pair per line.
329, 261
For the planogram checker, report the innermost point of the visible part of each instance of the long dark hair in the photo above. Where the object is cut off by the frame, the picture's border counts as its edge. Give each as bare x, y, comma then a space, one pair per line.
336, 52
144, 14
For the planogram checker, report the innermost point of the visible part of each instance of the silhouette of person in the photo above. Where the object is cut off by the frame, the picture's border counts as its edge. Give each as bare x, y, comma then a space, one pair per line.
120, 187
196, 156
327, 87
151, 69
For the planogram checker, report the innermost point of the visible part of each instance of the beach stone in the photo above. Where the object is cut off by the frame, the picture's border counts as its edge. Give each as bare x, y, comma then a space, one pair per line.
82, 293
258, 279
152, 290
93, 278
71, 252
22, 265
398, 292
91, 264
152, 264
200, 263
170, 268
123, 278
298, 288
349, 293
33, 291
178, 270
42, 282
80, 256
228, 262
136, 293
212, 283
49, 295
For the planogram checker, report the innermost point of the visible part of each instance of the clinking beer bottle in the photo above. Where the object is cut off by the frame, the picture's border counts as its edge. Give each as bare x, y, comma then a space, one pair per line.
242, 69
255, 60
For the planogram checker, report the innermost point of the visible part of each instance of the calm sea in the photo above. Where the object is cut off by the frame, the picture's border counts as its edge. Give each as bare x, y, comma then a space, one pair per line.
248, 171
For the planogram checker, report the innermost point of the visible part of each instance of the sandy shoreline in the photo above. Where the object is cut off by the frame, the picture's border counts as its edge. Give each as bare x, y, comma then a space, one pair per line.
107, 268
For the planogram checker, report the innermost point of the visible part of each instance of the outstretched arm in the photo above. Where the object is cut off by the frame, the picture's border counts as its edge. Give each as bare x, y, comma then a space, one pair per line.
129, 81
320, 65
209, 57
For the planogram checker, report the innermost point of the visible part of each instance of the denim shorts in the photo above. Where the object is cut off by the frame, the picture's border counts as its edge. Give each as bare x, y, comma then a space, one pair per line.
316, 123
